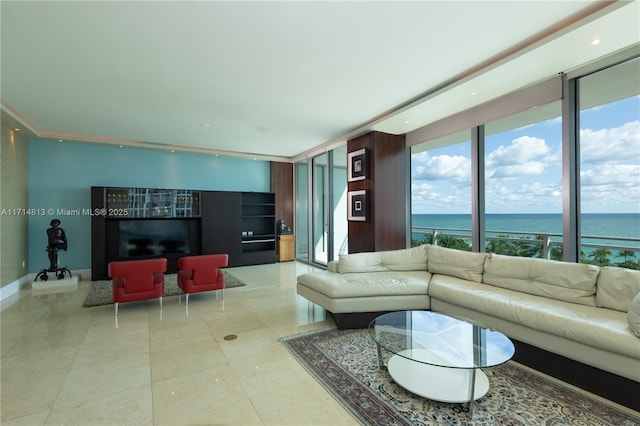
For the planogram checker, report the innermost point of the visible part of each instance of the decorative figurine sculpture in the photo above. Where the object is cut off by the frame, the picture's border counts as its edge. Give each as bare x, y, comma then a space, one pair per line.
282, 228
57, 240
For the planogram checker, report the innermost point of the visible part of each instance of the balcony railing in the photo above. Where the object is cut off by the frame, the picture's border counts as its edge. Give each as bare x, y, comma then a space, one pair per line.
595, 249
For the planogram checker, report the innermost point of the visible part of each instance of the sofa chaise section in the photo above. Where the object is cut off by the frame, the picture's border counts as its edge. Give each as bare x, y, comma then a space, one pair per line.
361, 286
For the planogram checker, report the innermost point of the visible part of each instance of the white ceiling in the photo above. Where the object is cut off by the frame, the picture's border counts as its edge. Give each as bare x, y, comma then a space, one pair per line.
281, 79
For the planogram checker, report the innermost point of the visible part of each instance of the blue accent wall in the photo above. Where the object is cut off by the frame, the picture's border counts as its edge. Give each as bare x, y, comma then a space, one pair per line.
61, 176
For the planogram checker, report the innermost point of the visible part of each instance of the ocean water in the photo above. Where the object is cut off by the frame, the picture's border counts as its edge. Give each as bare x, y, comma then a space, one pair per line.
626, 225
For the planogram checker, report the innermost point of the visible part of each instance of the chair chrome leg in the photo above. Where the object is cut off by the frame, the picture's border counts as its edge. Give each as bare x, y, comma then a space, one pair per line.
117, 308
187, 297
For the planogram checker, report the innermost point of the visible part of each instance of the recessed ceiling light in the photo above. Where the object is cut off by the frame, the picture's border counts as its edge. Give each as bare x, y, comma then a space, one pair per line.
59, 140
406, 121
596, 41
121, 146
16, 129
205, 125
173, 150
473, 93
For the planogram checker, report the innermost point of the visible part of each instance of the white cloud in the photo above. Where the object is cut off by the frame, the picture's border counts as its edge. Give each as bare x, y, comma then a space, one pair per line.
610, 168
421, 189
530, 168
439, 167
521, 158
554, 157
443, 197
616, 145
613, 176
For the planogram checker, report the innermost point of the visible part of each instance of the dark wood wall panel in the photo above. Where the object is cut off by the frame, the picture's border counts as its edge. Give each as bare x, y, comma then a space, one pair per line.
390, 192
282, 186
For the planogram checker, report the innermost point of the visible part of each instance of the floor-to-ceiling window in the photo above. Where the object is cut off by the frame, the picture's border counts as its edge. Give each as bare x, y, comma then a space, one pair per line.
523, 183
609, 141
441, 191
541, 185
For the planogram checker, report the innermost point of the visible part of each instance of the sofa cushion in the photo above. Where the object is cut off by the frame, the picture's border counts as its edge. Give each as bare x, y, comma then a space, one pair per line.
360, 262
633, 316
388, 283
412, 259
456, 263
570, 282
617, 287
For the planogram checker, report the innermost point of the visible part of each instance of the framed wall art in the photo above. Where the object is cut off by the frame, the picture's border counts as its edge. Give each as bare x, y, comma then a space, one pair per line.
357, 165
358, 205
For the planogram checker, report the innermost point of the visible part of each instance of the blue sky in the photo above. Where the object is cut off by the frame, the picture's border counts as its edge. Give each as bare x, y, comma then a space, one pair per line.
524, 170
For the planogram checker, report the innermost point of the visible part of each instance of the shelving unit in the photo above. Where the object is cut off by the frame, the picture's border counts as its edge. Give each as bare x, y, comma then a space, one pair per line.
258, 227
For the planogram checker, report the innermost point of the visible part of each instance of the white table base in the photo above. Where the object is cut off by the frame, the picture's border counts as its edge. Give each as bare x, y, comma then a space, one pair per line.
436, 383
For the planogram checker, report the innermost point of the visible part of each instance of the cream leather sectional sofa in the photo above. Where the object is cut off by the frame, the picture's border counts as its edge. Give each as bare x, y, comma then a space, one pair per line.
582, 312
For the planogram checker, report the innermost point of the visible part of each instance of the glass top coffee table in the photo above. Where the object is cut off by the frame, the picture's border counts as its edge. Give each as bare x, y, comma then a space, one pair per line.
437, 356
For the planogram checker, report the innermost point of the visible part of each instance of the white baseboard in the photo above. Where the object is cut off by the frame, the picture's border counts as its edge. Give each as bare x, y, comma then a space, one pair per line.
10, 293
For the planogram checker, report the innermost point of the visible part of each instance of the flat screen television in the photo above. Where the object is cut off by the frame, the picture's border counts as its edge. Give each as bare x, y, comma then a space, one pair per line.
155, 237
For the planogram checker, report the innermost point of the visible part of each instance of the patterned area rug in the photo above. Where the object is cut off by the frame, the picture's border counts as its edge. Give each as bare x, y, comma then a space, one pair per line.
346, 364
101, 292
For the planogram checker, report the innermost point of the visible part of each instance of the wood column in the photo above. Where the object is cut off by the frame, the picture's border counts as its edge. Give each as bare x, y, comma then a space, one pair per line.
385, 227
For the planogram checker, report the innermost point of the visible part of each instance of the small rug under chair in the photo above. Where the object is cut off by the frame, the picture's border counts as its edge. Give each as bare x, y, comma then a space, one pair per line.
101, 292
346, 364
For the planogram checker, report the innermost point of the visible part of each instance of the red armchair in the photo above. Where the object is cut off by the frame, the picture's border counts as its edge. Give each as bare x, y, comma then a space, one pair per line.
137, 280
201, 273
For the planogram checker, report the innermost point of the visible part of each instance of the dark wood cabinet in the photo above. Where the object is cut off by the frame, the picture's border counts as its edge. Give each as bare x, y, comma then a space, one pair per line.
222, 224
385, 183
139, 223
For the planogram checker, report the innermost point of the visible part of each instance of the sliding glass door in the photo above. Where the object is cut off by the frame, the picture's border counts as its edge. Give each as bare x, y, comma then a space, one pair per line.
321, 211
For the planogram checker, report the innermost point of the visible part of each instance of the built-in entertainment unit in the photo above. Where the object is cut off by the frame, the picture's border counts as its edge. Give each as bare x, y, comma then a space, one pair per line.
145, 223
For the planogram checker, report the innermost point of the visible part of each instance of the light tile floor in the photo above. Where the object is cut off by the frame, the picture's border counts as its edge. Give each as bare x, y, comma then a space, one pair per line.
64, 364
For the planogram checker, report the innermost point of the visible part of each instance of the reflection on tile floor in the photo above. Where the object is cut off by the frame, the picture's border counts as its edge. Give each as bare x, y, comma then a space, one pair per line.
64, 364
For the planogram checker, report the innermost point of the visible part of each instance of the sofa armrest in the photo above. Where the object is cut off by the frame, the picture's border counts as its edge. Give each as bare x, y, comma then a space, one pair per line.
332, 266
